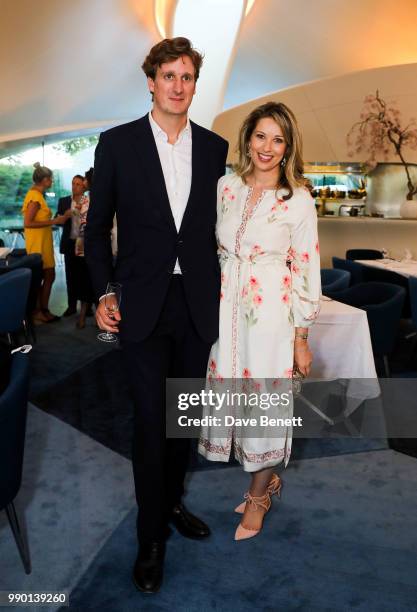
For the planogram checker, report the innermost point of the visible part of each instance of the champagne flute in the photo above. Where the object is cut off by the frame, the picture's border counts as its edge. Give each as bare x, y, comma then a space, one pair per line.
112, 300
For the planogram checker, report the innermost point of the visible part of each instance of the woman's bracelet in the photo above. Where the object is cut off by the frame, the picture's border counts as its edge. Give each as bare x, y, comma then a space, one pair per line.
303, 336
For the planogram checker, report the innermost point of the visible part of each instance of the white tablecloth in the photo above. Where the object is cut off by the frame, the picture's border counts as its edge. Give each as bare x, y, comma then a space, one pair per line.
405, 268
4, 251
341, 345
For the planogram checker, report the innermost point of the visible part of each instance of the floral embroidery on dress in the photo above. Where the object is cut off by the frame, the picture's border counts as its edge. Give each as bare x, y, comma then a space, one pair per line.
251, 300
299, 265
280, 205
222, 284
227, 197
256, 251
217, 449
249, 385
286, 286
212, 373
241, 454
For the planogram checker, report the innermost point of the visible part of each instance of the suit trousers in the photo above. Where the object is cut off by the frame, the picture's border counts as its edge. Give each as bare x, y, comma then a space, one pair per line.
173, 350
70, 260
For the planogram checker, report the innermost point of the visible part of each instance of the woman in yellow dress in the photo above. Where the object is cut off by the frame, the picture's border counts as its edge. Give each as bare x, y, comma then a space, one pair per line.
38, 224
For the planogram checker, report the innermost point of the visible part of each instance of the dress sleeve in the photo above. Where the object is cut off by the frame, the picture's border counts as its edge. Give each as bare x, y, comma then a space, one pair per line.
220, 184
31, 196
304, 257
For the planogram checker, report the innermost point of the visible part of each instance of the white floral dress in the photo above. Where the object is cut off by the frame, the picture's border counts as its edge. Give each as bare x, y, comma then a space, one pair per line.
270, 283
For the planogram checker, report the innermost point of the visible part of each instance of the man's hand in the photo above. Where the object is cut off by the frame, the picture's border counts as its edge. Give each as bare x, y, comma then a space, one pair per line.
108, 314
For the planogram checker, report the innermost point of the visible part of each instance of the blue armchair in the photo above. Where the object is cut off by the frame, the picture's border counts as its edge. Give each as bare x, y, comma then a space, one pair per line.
364, 254
34, 263
14, 291
355, 269
334, 280
13, 411
383, 304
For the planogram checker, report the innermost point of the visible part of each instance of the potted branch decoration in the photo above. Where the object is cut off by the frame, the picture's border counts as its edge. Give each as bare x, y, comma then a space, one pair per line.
379, 130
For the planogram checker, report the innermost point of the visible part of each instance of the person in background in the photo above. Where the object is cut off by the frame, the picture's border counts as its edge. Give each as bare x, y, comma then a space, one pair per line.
84, 290
69, 235
38, 224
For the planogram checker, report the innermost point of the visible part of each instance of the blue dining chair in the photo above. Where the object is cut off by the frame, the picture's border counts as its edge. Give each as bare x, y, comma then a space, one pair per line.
13, 412
355, 269
14, 291
383, 304
363, 254
34, 263
333, 279
379, 275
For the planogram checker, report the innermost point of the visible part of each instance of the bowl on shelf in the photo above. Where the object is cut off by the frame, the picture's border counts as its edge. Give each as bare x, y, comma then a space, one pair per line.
356, 194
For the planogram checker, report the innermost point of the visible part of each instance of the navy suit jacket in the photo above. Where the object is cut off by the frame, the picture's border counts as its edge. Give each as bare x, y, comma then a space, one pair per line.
128, 181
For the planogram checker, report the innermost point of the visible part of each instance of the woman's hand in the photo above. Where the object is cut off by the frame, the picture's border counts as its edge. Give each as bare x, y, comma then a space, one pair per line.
303, 357
61, 219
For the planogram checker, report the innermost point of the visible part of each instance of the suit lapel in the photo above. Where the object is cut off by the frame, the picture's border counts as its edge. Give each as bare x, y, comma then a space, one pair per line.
145, 146
197, 173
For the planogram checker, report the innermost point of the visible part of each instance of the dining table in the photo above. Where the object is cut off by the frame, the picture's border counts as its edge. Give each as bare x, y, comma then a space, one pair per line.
341, 345
404, 267
4, 252
14, 232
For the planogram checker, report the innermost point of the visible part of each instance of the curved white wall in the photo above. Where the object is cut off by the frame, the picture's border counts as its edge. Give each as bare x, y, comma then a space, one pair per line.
289, 42
326, 110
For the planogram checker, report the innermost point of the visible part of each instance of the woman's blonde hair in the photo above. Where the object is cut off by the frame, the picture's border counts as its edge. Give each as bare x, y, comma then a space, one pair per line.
40, 173
291, 175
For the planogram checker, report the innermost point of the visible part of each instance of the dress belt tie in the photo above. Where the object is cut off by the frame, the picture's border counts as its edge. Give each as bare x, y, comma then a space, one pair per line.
232, 263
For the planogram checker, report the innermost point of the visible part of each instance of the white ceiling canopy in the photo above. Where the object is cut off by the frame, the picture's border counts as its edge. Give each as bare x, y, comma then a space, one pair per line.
69, 67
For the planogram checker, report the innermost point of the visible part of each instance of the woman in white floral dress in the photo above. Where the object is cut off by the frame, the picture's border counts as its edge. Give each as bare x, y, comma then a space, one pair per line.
270, 265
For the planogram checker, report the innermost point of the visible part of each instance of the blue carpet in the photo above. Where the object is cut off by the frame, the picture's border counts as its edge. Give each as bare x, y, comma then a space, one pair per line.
74, 494
342, 538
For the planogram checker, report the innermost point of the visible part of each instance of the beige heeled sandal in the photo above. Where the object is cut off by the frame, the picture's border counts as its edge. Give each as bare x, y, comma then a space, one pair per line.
243, 533
274, 488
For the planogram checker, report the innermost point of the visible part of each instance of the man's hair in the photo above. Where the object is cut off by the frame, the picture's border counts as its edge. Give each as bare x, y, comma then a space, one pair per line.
169, 50
79, 176
89, 175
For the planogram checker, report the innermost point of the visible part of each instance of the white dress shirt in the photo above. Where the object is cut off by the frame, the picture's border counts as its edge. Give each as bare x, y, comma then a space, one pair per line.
176, 166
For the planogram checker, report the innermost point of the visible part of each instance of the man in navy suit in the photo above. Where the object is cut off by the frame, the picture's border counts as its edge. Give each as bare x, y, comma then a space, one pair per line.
67, 244
159, 176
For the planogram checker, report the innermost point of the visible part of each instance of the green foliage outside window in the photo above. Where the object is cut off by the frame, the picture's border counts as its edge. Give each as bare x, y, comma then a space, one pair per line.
74, 146
15, 181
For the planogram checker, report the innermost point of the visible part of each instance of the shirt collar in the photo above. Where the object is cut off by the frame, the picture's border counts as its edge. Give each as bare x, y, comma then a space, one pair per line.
159, 133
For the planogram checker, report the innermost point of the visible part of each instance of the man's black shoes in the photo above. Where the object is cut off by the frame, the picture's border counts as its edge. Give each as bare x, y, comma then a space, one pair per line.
149, 567
187, 524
